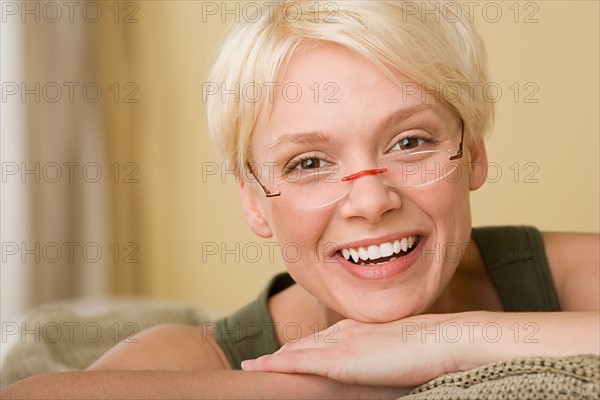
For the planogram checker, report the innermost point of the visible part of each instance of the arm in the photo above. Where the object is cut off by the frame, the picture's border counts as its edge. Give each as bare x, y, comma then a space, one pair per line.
503, 336
416, 349
165, 348
186, 385
178, 362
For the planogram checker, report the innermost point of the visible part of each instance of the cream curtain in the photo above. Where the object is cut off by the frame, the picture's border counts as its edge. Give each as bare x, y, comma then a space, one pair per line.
68, 170
66, 153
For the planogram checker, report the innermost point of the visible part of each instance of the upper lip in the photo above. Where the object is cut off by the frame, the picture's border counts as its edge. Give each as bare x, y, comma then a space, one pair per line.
368, 242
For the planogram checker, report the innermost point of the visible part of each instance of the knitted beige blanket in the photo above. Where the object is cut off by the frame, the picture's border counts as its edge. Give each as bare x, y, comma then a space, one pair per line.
574, 377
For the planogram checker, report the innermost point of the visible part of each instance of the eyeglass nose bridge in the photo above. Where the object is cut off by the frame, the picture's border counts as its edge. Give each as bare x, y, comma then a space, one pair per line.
366, 172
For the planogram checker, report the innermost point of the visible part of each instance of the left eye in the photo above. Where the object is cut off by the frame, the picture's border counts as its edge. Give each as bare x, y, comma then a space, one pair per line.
311, 163
408, 143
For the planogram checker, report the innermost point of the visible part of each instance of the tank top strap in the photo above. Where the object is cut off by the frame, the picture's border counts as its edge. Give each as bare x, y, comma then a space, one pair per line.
516, 260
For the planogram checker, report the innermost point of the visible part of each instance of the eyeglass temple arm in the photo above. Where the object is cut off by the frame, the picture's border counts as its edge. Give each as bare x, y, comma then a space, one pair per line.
266, 191
459, 154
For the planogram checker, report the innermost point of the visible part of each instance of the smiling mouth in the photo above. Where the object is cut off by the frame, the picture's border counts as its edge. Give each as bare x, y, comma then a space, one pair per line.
380, 254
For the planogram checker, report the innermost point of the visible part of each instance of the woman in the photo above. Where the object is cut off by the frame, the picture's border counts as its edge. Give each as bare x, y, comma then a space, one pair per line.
359, 134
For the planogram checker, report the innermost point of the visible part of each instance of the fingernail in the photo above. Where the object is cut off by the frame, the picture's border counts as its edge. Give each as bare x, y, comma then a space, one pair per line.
247, 365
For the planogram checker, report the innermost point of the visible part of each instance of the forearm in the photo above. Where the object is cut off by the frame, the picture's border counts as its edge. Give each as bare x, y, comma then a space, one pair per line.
186, 385
494, 337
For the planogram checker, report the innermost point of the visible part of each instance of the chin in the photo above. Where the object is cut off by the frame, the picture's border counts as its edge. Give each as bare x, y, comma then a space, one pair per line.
378, 308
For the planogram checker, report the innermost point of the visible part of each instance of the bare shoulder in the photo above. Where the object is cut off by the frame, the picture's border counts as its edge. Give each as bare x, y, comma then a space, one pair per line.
165, 347
574, 260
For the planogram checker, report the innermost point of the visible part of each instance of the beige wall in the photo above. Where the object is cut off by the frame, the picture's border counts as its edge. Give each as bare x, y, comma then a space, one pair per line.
554, 141
558, 135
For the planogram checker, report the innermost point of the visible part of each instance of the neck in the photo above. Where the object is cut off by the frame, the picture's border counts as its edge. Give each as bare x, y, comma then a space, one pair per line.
470, 289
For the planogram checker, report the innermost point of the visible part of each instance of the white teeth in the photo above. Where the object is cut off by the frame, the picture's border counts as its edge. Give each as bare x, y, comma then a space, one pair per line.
354, 255
386, 249
363, 254
374, 252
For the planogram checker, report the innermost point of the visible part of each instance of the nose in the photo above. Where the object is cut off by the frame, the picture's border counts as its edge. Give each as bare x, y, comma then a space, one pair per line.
369, 199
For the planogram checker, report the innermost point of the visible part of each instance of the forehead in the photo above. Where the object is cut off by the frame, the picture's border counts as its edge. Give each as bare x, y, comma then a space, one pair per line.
328, 88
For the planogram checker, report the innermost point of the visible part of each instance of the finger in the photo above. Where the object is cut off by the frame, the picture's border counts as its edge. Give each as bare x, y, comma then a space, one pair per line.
304, 361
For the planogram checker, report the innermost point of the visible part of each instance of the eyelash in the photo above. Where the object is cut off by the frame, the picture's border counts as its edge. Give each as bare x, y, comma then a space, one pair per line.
294, 163
424, 138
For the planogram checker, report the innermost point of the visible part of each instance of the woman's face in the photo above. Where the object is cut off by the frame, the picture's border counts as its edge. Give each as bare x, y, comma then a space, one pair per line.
366, 117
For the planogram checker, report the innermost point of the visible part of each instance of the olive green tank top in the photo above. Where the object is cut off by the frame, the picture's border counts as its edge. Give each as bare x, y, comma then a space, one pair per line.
514, 256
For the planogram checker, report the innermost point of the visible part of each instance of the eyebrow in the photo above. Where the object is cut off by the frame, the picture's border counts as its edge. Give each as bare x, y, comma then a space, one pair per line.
320, 137
404, 113
300, 138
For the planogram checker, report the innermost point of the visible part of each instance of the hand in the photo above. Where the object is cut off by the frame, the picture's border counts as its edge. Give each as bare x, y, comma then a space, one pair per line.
402, 353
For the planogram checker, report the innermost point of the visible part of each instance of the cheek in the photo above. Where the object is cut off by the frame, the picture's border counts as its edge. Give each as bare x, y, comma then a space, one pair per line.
444, 208
298, 234
448, 207
449, 199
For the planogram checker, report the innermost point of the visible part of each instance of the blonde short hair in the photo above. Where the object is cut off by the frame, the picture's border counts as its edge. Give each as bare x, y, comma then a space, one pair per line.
431, 42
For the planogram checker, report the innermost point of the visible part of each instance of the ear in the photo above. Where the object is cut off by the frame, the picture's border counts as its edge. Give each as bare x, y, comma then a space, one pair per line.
253, 211
478, 164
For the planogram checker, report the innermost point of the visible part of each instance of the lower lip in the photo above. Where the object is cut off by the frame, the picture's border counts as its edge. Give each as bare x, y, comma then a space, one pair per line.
385, 271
